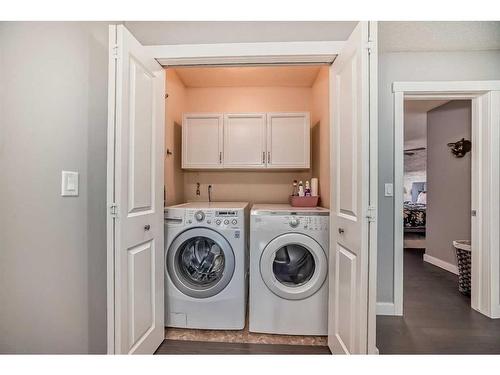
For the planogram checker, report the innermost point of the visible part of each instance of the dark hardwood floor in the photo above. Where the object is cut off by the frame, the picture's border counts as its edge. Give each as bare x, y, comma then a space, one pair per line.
205, 347
437, 318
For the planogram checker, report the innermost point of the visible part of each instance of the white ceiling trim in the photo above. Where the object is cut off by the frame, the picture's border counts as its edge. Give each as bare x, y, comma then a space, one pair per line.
246, 53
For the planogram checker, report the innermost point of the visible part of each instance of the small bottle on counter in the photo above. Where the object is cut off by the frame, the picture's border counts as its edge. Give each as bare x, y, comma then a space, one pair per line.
314, 187
301, 189
295, 191
307, 190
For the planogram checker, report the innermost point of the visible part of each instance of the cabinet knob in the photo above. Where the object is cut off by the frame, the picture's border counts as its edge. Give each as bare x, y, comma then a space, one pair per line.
147, 227
341, 230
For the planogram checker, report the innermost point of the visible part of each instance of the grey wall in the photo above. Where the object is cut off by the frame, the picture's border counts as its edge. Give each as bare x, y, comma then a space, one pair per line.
413, 66
53, 104
448, 180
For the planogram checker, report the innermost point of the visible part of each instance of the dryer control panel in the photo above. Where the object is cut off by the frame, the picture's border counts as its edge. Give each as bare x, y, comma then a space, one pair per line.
292, 222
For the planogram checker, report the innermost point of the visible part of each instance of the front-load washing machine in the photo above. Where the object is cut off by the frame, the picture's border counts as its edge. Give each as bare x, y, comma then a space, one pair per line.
206, 265
288, 270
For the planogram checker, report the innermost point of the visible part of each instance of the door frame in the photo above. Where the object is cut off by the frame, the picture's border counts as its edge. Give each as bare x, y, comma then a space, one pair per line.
227, 54
485, 175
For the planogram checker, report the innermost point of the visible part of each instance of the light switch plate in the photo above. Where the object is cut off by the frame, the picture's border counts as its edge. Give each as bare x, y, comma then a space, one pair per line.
69, 184
389, 191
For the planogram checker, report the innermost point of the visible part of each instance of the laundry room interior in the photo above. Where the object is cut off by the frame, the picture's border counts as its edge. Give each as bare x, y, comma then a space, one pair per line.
247, 89
242, 144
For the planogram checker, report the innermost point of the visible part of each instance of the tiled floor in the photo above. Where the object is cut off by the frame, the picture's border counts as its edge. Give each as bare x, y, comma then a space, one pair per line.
243, 336
437, 318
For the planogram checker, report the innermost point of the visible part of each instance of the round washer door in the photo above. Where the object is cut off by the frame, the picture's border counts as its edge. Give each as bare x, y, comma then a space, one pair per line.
200, 262
293, 266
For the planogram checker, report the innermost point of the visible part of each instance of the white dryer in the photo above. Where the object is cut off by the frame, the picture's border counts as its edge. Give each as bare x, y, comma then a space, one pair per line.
288, 270
206, 265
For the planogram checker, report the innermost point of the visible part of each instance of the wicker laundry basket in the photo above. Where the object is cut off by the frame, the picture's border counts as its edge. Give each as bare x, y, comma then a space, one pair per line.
463, 252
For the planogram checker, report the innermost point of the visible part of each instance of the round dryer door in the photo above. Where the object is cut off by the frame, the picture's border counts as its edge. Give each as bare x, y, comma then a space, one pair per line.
293, 266
200, 262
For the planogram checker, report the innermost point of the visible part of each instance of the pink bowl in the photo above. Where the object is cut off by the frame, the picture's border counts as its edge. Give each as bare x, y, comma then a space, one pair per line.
303, 201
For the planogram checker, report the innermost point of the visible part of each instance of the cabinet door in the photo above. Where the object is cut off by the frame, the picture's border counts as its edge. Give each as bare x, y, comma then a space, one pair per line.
288, 140
245, 140
202, 140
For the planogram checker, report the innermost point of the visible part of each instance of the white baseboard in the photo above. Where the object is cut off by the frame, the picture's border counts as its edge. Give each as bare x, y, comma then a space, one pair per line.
386, 308
441, 264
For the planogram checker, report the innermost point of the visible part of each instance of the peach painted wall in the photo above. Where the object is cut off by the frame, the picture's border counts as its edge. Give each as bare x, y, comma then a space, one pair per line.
251, 186
249, 99
320, 134
175, 106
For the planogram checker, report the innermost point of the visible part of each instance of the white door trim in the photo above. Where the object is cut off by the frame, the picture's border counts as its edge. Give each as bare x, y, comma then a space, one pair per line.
247, 53
485, 97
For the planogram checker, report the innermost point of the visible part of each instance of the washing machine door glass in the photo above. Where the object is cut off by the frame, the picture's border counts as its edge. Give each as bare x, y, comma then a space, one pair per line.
200, 262
293, 266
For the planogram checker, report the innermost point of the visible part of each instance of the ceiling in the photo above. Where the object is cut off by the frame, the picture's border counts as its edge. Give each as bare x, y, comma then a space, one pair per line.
394, 36
288, 76
439, 36
191, 32
415, 117
412, 106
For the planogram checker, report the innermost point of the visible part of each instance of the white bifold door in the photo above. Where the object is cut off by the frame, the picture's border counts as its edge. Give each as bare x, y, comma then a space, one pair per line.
352, 281
135, 196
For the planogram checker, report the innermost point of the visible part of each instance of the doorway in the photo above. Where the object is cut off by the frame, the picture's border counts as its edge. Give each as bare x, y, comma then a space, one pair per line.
484, 202
484, 193
241, 173
437, 183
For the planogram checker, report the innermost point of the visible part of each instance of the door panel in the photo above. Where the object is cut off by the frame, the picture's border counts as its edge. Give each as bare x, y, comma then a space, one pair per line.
350, 297
141, 165
202, 140
140, 290
245, 140
346, 302
135, 173
288, 140
347, 149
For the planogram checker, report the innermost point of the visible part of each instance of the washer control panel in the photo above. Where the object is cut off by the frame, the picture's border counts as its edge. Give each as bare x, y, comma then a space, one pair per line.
219, 219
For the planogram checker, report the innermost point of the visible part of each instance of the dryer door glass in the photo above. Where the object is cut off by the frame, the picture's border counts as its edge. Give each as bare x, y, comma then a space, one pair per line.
293, 265
201, 261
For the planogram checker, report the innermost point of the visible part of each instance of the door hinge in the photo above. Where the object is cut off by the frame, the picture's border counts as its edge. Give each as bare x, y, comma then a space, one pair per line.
113, 210
371, 214
370, 45
115, 51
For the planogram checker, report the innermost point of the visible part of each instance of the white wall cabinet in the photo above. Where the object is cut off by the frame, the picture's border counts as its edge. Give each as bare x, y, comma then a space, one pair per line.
288, 140
202, 141
246, 141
